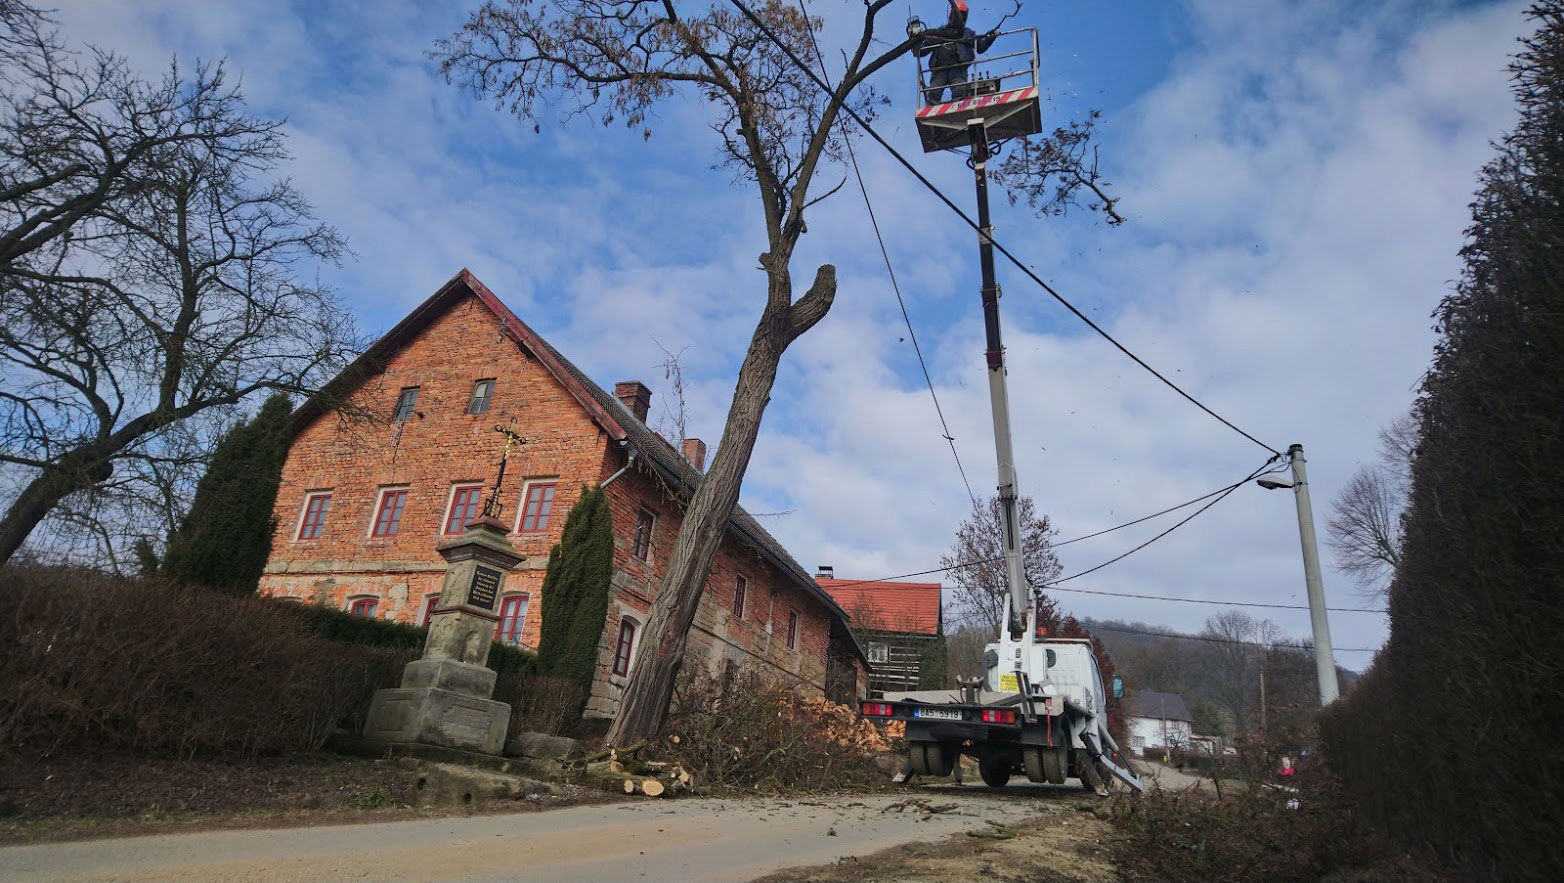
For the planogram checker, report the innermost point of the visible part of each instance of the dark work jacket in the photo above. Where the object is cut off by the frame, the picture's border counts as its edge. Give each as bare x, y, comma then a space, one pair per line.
950, 45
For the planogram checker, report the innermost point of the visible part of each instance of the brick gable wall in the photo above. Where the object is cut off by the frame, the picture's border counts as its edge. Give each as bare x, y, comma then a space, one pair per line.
442, 445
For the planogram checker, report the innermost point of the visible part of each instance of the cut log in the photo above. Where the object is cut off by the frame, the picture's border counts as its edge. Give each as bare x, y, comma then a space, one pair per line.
652, 787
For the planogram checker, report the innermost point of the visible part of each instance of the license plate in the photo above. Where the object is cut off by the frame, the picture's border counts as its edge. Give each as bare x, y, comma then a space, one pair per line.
939, 714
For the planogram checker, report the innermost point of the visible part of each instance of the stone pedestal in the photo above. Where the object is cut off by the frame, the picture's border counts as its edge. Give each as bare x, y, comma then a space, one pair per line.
445, 699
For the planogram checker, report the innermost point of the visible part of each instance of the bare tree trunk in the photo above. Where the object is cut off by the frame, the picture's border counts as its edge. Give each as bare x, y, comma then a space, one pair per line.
644, 704
42, 494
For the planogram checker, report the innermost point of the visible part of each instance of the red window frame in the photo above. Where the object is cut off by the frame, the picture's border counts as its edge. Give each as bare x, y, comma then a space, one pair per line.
536, 507
792, 630
641, 540
513, 618
622, 648
366, 607
466, 499
314, 521
388, 515
740, 589
430, 603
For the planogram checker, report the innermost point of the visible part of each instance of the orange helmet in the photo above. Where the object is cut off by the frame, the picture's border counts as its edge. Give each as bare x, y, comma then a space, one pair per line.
959, 6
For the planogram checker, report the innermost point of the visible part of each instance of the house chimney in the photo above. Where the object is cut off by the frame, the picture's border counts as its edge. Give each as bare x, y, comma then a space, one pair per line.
825, 571
635, 396
695, 451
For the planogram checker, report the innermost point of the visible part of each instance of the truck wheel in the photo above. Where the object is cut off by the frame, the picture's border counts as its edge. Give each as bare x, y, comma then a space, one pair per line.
931, 759
1044, 764
1086, 769
995, 773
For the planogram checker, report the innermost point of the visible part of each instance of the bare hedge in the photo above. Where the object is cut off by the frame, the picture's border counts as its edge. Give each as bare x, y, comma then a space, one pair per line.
87, 659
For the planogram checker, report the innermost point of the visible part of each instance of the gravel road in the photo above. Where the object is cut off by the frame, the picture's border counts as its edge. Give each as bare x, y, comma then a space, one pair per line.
689, 839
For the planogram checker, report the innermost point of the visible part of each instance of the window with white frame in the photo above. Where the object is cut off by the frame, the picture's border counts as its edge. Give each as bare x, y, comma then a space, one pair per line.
312, 522
388, 512
879, 653
513, 618
466, 500
537, 504
431, 601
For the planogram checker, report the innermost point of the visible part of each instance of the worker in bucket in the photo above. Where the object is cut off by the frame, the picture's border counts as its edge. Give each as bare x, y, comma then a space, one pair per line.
951, 49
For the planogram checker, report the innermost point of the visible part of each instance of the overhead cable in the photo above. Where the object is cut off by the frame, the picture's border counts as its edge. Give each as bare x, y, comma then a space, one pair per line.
1146, 517
857, 118
889, 271
1190, 517
884, 579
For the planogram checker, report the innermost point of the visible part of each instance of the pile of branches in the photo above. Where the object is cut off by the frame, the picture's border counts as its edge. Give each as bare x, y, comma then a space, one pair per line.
746, 731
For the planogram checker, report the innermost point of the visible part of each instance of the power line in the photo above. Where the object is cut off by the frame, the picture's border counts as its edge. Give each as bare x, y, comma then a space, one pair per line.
1096, 626
958, 566
891, 272
1147, 517
857, 118
1215, 640
886, 579
1117, 558
1214, 602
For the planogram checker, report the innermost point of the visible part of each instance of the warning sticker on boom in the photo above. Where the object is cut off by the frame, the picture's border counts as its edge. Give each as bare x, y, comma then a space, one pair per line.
1010, 682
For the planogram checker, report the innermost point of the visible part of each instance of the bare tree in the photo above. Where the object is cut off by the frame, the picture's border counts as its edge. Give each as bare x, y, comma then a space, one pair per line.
1237, 650
675, 422
978, 593
150, 265
1364, 528
615, 59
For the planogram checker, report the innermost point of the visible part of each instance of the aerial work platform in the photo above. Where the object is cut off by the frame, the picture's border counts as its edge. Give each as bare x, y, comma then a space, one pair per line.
1007, 102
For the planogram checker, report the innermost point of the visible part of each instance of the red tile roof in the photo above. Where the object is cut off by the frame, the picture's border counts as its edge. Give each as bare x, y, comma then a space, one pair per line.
894, 607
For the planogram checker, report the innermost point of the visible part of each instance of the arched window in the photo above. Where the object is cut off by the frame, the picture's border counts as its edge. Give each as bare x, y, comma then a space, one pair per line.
625, 646
513, 616
366, 607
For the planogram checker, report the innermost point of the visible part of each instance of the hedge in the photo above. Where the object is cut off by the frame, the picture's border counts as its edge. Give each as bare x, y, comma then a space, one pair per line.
343, 627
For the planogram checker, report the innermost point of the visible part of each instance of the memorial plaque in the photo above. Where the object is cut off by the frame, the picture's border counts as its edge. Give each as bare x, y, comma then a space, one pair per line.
485, 587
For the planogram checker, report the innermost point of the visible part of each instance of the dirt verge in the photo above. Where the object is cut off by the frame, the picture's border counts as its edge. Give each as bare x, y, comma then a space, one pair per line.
83, 796
1065, 841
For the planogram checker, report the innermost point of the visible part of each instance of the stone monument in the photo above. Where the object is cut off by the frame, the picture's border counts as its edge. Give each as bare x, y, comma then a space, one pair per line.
445, 699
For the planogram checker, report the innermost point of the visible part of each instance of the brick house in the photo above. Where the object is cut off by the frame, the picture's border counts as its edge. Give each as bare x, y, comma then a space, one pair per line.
897, 623
363, 503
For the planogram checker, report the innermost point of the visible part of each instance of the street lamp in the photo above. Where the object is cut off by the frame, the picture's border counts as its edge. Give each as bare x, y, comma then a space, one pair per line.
1324, 658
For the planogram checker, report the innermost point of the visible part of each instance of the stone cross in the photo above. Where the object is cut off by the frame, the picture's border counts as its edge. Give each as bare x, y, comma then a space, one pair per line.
445, 699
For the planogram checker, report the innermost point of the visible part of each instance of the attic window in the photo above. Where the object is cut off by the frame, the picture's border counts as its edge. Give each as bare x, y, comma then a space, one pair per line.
879, 653
482, 393
404, 404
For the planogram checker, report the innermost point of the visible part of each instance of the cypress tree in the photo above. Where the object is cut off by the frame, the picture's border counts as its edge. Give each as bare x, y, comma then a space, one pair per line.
575, 593
226, 538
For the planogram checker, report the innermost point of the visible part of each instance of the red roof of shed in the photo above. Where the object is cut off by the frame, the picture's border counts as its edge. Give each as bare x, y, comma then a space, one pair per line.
893, 607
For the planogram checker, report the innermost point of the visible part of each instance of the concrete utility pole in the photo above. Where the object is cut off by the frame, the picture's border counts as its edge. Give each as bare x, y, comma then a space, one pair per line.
1324, 657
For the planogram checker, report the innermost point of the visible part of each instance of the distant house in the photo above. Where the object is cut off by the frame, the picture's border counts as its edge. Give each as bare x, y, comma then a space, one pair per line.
897, 623
1158, 720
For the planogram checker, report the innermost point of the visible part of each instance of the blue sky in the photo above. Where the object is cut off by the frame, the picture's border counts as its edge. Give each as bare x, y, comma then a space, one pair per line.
1295, 177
